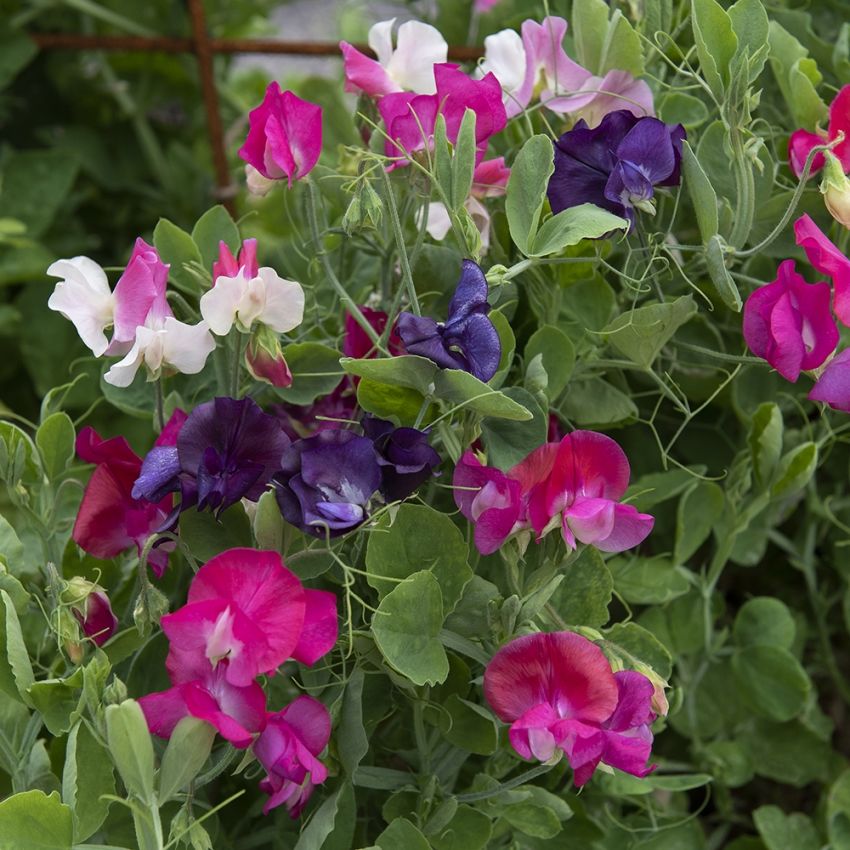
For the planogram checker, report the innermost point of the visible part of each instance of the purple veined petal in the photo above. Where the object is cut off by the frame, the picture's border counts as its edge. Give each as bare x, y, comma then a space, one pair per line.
634, 706
649, 148
342, 513
159, 474
414, 330
833, 386
470, 294
343, 463
478, 346
628, 186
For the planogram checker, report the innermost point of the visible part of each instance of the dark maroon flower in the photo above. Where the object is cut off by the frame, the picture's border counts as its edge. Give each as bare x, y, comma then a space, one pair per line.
405, 456
616, 165
467, 340
90, 605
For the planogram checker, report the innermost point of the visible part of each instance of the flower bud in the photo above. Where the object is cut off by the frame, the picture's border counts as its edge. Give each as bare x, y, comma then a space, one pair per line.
835, 188
90, 605
264, 358
115, 692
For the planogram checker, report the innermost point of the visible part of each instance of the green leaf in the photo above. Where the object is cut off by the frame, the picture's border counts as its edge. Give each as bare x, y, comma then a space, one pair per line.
570, 226
838, 812
442, 156
87, 775
584, 596
16, 52
267, 525
765, 441
641, 334
406, 627
215, 226
33, 821
678, 782
463, 161
772, 681
589, 24
785, 832
675, 107
647, 581
416, 373
177, 248
469, 726
507, 339
16, 675
131, 748
634, 643
464, 390
702, 193
315, 372
468, 829
55, 441
11, 548
207, 536
352, 741
622, 50
508, 442
751, 26
323, 821
418, 538
558, 353
400, 405
715, 41
787, 752
187, 751
594, 403
764, 621
795, 470
699, 510
526, 190
58, 701
798, 77
401, 834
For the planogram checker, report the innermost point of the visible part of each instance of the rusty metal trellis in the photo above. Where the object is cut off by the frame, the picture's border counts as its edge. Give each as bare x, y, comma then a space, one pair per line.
205, 47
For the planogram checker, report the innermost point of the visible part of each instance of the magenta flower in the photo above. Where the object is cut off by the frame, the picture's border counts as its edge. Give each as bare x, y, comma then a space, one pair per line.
802, 141
410, 118
558, 692
229, 266
288, 749
789, 323
110, 519
833, 386
828, 260
285, 136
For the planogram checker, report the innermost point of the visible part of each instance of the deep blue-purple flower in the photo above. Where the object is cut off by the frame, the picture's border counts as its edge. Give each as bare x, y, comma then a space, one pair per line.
226, 450
405, 456
616, 165
327, 481
467, 340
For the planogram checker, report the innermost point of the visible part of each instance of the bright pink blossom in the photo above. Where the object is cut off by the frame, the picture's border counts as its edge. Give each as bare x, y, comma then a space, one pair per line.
576, 484
789, 323
410, 118
802, 141
229, 266
110, 520
558, 692
246, 607
833, 386
288, 748
828, 260
490, 178
285, 136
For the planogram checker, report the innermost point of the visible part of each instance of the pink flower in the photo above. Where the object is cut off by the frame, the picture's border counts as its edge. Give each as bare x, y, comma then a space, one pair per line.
828, 260
576, 484
833, 386
802, 141
356, 342
236, 712
245, 607
288, 748
485, 5
410, 119
558, 692
109, 519
789, 323
490, 178
285, 136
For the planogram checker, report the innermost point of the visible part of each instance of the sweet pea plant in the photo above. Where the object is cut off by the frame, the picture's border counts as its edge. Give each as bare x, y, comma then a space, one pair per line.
484, 485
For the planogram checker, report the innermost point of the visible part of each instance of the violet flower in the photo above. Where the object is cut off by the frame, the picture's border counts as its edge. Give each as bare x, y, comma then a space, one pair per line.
616, 165
467, 340
406, 458
327, 482
227, 450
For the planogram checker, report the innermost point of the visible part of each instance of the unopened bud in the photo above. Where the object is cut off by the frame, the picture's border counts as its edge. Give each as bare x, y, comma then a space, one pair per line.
835, 188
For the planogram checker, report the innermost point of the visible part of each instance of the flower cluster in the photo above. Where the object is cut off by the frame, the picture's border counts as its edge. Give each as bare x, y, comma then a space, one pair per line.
575, 485
246, 614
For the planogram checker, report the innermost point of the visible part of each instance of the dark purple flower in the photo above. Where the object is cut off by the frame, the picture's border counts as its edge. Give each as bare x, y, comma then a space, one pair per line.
326, 482
616, 165
467, 340
406, 458
227, 450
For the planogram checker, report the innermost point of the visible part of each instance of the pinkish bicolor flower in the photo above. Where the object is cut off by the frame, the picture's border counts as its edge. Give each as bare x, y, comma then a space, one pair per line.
490, 178
285, 136
826, 259
407, 67
265, 361
91, 608
238, 713
246, 607
288, 749
558, 692
802, 141
229, 266
833, 385
789, 323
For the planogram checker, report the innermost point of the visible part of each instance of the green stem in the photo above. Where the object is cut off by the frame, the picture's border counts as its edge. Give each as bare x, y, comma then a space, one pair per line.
406, 274
421, 738
160, 406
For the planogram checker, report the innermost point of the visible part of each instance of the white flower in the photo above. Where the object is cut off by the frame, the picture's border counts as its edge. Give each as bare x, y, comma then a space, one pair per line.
84, 298
418, 48
164, 343
257, 184
439, 222
267, 298
504, 55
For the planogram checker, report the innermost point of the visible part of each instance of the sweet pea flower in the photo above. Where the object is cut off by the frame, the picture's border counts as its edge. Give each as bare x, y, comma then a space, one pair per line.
227, 450
327, 481
826, 259
835, 188
110, 518
406, 458
285, 137
83, 296
467, 340
410, 119
558, 692
833, 385
288, 749
789, 323
408, 67
616, 165
802, 141
91, 608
